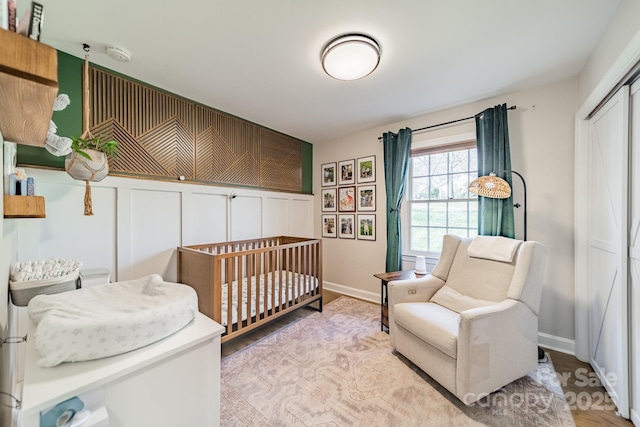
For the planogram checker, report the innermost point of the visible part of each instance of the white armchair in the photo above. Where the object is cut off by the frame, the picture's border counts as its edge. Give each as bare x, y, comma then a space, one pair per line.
472, 324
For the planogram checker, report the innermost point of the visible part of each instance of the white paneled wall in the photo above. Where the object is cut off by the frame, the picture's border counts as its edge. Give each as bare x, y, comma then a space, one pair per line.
137, 224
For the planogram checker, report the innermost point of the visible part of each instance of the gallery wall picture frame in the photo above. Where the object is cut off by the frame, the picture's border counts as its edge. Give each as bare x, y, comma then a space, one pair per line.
329, 225
328, 174
346, 172
347, 199
366, 227
367, 198
329, 200
366, 169
347, 226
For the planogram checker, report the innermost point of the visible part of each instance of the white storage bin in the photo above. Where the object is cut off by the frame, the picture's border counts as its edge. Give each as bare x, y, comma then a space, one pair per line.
22, 292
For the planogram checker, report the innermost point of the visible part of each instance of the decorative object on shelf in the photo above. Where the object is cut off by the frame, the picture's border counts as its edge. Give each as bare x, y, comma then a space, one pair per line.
367, 198
366, 169
494, 187
329, 174
329, 228
366, 227
346, 199
329, 197
350, 56
55, 144
346, 172
89, 158
346, 226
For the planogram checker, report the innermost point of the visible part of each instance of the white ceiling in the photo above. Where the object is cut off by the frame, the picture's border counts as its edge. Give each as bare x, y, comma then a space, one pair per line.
259, 59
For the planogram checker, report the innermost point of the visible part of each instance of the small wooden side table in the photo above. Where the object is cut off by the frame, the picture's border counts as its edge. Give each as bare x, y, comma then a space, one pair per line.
385, 278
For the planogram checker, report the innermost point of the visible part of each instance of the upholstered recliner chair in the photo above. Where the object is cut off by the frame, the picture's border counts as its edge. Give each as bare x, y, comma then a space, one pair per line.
472, 324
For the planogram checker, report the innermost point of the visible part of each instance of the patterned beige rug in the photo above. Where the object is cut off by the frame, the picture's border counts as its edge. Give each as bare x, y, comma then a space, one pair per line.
337, 368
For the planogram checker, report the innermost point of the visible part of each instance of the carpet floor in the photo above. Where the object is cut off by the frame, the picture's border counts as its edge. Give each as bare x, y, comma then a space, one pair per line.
336, 368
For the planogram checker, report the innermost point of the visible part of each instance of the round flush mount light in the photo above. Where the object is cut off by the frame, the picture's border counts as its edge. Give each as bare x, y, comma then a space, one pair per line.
119, 53
350, 56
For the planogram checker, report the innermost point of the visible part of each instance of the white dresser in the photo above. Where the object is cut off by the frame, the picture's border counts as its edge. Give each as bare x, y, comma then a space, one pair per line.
173, 382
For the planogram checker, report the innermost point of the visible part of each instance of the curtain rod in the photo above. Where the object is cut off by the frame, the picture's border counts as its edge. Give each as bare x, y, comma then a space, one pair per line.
513, 107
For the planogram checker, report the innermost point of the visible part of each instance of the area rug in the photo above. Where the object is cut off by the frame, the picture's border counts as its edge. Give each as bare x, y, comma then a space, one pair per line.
336, 368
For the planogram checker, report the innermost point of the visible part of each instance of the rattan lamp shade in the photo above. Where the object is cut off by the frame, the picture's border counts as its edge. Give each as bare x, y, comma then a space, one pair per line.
490, 186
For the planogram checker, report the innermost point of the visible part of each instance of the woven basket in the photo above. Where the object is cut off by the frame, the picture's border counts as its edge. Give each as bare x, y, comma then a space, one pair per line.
22, 292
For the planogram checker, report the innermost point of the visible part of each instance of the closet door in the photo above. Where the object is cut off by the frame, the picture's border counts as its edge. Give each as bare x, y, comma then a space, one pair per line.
634, 250
608, 284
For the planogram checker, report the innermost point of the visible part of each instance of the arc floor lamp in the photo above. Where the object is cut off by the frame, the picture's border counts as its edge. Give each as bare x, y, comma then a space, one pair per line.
494, 187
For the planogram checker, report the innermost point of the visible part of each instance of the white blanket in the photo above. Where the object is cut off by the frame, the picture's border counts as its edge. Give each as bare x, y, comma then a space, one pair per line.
496, 248
109, 319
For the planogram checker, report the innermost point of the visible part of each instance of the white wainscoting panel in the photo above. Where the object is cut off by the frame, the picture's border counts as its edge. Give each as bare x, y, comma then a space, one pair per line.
246, 214
299, 223
138, 224
206, 219
276, 217
66, 232
155, 233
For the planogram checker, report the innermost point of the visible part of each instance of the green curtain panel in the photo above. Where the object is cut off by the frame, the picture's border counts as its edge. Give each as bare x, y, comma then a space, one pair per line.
397, 150
495, 216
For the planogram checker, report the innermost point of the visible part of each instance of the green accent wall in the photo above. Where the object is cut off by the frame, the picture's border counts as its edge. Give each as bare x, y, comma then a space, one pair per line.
307, 168
69, 122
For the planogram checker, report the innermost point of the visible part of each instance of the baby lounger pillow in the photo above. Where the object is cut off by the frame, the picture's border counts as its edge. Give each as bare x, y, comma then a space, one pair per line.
109, 319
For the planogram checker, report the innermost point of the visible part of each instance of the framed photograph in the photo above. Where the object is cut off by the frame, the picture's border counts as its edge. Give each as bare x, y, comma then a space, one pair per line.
329, 174
329, 203
366, 227
367, 198
347, 199
346, 226
346, 172
366, 169
329, 226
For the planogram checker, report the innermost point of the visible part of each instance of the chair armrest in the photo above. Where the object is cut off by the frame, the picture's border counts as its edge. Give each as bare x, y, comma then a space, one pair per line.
496, 345
410, 290
413, 290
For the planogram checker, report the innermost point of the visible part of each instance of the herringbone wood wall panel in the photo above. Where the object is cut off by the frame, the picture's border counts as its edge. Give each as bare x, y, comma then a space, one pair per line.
162, 135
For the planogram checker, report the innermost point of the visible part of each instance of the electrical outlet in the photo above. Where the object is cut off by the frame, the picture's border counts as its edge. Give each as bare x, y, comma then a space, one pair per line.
412, 291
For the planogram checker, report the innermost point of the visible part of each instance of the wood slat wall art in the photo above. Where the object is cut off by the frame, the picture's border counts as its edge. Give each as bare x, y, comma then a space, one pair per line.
164, 136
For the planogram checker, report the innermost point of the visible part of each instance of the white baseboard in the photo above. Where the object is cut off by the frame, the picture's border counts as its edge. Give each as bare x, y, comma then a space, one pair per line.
635, 418
551, 342
349, 291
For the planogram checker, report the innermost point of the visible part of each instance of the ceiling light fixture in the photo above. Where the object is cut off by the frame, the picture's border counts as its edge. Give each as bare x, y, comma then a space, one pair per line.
350, 56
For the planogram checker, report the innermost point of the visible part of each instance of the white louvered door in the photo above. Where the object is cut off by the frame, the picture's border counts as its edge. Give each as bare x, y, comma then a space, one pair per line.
608, 224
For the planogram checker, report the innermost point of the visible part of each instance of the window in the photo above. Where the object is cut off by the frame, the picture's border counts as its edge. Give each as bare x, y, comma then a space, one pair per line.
438, 202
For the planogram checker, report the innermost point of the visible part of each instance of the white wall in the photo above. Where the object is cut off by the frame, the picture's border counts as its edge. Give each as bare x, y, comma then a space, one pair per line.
138, 224
542, 134
623, 27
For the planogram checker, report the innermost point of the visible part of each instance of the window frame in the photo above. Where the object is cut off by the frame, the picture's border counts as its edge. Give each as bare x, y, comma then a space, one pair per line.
417, 146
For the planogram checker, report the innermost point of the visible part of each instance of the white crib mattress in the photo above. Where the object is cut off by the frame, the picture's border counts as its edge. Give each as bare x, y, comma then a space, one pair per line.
110, 319
295, 283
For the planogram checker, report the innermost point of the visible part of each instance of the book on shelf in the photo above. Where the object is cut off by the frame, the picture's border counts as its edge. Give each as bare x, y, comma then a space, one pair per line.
12, 7
31, 23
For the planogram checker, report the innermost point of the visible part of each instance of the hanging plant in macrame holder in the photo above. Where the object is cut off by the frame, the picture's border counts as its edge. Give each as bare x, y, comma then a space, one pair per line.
89, 161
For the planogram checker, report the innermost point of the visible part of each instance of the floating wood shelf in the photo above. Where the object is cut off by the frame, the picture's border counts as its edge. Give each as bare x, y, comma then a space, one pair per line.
28, 87
24, 207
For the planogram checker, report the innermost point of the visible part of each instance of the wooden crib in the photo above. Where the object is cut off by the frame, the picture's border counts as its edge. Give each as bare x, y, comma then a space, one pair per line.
269, 277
